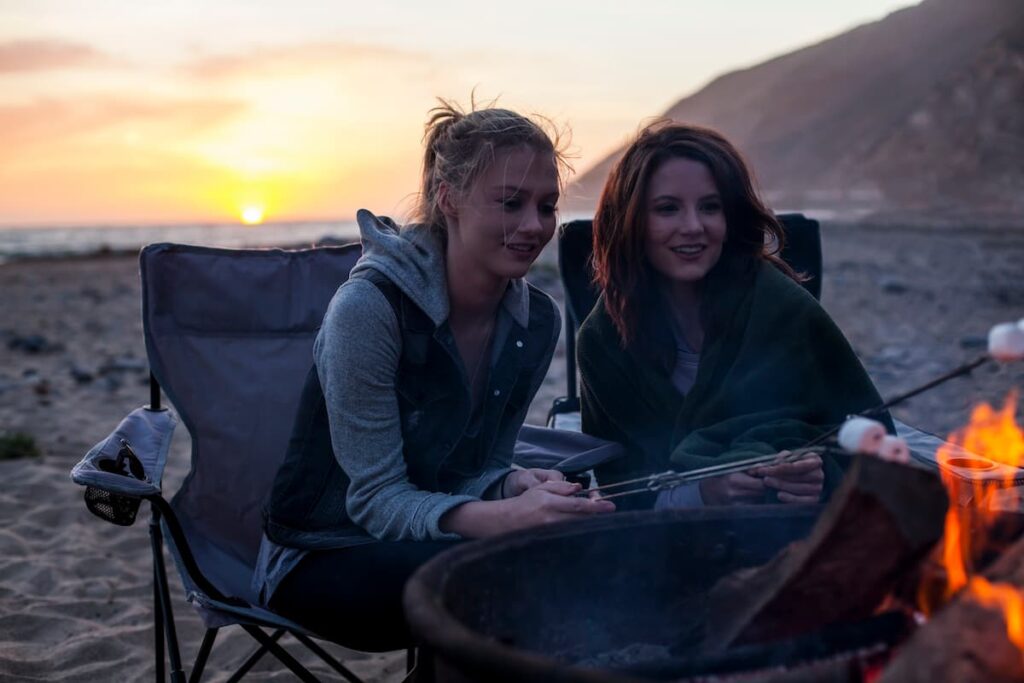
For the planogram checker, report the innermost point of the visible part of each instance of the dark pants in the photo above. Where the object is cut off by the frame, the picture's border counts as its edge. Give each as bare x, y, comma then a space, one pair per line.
353, 596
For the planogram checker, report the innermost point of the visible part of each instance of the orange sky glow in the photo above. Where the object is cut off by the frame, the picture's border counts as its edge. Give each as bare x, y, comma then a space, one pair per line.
120, 113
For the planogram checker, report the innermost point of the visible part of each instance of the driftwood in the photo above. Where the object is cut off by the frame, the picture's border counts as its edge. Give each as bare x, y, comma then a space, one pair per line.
879, 524
966, 642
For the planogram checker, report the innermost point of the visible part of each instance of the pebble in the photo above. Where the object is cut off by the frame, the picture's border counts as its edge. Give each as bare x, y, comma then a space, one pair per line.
81, 375
974, 341
124, 364
33, 343
891, 285
111, 383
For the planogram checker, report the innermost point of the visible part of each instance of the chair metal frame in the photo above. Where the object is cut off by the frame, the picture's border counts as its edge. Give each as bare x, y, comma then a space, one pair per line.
219, 610
164, 521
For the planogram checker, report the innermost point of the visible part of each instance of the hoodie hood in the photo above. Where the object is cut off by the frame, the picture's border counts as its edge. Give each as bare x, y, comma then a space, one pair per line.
413, 258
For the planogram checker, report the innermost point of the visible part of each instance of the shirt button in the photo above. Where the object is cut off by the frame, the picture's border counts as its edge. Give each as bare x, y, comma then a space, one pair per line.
497, 392
519, 344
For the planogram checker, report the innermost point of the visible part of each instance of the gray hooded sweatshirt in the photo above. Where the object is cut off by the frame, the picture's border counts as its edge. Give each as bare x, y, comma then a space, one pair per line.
357, 353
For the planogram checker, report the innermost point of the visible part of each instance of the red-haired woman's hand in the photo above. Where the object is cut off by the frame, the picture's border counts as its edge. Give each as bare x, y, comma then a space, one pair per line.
732, 489
800, 481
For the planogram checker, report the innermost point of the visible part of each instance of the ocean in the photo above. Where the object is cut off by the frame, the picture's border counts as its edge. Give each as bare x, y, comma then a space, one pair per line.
57, 242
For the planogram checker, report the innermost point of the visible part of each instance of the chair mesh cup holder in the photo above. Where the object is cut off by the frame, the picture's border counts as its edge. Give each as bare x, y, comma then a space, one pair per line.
114, 507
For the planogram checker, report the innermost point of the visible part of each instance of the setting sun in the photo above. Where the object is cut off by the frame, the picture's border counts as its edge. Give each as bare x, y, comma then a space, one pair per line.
252, 215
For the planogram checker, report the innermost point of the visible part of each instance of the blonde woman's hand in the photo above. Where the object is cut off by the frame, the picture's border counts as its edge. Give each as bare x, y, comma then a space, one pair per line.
550, 501
519, 481
553, 501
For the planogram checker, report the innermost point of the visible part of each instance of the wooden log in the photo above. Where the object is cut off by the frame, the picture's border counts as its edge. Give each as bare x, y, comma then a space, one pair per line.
966, 642
879, 524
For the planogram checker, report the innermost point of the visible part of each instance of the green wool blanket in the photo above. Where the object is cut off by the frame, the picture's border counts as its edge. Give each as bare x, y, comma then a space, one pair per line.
776, 373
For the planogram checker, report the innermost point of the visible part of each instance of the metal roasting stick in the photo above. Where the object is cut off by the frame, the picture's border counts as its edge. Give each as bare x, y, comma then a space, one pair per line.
964, 369
668, 480
657, 482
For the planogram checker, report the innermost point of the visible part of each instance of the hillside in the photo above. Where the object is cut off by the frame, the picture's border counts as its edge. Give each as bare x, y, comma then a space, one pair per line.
918, 116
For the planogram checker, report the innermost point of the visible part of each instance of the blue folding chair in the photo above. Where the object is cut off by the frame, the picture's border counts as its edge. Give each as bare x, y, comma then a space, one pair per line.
229, 335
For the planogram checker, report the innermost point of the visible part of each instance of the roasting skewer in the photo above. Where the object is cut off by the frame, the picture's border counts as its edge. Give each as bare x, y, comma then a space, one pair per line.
671, 478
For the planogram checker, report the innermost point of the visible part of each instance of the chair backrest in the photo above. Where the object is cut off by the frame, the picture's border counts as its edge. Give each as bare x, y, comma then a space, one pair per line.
229, 335
575, 248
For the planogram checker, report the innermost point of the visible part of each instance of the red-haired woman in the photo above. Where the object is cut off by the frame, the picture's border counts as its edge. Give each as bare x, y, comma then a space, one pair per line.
704, 347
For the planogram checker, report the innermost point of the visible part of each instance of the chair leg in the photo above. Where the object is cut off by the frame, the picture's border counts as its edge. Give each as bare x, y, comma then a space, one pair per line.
204, 654
282, 654
254, 657
327, 658
158, 629
160, 576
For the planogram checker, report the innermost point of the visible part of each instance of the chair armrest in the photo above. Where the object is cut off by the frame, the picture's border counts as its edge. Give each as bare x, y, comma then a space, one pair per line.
148, 433
562, 450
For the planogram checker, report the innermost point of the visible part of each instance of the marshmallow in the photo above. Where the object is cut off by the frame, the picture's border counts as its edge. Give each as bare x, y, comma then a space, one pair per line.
894, 449
1006, 342
861, 435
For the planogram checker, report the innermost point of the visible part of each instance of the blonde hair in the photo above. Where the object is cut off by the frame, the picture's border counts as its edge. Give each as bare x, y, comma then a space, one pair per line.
460, 145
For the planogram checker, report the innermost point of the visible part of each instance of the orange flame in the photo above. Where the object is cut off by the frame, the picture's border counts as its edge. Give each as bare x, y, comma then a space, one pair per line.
978, 461
1005, 598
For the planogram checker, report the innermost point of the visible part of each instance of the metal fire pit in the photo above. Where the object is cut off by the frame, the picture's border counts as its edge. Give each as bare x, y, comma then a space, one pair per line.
612, 599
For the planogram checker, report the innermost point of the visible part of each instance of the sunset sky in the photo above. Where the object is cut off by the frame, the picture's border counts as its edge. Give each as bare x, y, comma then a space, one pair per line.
178, 111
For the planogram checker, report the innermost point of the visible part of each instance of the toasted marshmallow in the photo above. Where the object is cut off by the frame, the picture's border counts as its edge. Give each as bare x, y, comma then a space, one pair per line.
861, 435
894, 449
1006, 342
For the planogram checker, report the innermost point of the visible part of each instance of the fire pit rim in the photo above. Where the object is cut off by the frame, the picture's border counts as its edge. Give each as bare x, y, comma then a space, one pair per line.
441, 631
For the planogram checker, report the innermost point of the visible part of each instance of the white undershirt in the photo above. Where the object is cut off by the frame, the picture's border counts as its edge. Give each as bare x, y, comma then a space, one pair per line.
684, 374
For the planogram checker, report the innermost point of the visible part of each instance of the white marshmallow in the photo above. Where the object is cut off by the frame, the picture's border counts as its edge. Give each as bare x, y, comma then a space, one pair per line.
894, 449
1006, 342
861, 435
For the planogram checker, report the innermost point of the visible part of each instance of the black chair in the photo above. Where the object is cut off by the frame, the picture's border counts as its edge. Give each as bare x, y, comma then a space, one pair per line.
575, 245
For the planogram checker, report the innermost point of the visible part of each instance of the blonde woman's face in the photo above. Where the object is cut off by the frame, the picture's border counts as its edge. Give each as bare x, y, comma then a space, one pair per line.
685, 221
508, 215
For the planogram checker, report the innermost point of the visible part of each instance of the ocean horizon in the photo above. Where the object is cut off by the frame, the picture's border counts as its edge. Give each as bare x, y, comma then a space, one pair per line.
18, 243
31, 242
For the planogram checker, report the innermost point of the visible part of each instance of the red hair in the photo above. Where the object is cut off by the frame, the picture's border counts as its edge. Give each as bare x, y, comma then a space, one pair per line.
620, 224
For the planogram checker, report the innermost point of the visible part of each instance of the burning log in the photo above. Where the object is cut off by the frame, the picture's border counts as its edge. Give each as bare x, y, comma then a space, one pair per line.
977, 638
880, 523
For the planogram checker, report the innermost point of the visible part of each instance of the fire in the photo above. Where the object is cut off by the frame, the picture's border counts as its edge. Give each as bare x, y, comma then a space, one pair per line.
1005, 598
991, 448
992, 438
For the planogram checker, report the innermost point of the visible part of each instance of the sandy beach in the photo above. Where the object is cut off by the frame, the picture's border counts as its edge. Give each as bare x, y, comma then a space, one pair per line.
75, 592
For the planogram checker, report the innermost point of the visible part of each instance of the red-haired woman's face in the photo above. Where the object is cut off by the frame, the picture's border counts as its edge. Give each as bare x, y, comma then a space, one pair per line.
685, 221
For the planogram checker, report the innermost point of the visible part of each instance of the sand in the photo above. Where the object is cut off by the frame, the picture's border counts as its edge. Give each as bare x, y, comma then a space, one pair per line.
75, 592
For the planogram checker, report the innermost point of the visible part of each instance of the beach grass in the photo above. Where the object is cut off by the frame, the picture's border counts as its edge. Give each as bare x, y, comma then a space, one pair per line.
16, 445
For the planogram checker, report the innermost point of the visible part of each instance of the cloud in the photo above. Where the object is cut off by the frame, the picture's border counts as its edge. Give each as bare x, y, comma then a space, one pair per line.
57, 121
41, 55
285, 60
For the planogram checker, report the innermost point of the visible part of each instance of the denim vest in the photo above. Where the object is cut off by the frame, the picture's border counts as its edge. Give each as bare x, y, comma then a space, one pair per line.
306, 508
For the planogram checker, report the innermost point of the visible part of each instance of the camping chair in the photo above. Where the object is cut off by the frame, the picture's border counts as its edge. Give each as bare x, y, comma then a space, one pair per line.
575, 246
229, 335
